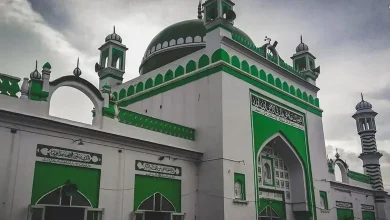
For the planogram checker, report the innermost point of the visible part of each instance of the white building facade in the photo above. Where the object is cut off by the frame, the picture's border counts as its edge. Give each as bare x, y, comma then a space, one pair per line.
214, 128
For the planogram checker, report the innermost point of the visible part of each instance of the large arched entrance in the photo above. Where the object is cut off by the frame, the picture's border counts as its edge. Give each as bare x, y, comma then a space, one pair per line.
157, 207
281, 180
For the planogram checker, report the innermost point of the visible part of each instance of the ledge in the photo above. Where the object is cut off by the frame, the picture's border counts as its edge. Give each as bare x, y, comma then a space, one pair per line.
239, 201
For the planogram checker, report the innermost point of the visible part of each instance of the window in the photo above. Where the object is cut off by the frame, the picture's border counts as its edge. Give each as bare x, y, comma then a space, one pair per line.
324, 200
239, 186
267, 171
237, 190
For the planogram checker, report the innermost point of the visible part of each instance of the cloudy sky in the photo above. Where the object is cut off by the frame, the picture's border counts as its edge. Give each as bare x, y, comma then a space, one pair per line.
350, 40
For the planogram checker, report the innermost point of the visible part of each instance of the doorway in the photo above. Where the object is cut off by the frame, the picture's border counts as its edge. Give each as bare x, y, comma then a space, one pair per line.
64, 213
157, 216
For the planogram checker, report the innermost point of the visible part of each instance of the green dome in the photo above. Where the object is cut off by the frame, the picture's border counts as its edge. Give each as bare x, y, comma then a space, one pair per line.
177, 41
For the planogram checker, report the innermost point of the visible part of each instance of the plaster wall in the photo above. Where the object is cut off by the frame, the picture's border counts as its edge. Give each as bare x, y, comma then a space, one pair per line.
117, 171
237, 145
356, 197
197, 105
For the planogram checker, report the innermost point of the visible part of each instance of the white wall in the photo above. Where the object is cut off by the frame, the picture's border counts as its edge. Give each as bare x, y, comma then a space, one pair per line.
356, 197
117, 171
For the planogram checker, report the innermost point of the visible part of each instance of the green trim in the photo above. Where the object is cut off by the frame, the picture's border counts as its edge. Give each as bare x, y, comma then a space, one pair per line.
324, 196
146, 186
239, 177
36, 93
109, 111
345, 214
49, 176
359, 177
368, 215
112, 76
154, 124
222, 66
46, 65
304, 156
9, 85
272, 171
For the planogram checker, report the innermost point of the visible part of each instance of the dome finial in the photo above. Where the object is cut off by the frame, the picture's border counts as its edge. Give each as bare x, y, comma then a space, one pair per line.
362, 96
36, 64
337, 154
77, 70
200, 9
301, 39
114, 29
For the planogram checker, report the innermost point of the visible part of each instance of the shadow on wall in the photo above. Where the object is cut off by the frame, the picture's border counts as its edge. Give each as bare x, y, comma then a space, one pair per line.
71, 104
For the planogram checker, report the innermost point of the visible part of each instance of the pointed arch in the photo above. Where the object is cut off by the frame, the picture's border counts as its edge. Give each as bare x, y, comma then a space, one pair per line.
263, 75
236, 62
149, 83
254, 71
122, 94
296, 167
191, 66
157, 202
130, 90
245, 66
179, 71
55, 197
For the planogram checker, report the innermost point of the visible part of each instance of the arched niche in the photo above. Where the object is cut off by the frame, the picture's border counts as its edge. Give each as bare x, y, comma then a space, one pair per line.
343, 169
279, 157
85, 87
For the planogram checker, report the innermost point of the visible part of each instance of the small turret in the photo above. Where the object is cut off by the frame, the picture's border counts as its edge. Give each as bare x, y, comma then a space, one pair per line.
304, 62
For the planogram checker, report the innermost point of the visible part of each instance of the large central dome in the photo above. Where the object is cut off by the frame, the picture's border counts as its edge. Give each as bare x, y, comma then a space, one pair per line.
177, 41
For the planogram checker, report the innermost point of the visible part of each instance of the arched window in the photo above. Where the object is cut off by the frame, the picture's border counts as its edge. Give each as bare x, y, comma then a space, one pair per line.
267, 171
238, 190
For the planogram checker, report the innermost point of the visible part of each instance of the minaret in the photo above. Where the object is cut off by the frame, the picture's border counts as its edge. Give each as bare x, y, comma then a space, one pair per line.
304, 62
366, 128
111, 66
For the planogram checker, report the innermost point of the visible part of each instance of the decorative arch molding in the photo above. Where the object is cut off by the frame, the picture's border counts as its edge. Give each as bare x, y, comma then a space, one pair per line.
343, 169
82, 85
157, 203
296, 166
55, 197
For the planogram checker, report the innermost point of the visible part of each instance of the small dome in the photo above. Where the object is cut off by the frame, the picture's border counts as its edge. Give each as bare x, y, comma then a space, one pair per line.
35, 74
363, 105
47, 65
302, 47
114, 37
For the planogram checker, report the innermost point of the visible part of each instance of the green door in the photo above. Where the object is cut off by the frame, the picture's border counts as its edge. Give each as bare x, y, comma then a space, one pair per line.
368, 215
345, 214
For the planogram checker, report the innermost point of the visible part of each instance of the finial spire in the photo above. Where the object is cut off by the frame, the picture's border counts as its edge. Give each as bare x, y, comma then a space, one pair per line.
36, 64
361, 94
77, 62
301, 39
200, 9
114, 29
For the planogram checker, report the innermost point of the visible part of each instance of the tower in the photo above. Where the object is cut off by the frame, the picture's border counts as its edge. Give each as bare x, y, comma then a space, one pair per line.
111, 66
218, 13
366, 128
304, 62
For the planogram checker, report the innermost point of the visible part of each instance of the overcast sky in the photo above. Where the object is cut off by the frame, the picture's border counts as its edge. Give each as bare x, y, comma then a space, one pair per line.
350, 40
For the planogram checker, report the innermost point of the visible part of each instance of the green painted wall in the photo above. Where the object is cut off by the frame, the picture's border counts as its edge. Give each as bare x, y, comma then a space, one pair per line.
265, 127
145, 186
345, 214
48, 176
368, 215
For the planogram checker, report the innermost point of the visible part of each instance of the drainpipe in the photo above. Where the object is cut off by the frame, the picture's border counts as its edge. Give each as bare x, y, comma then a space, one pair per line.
10, 178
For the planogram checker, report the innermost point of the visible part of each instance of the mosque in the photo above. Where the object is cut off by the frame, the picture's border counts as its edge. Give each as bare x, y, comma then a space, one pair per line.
214, 128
